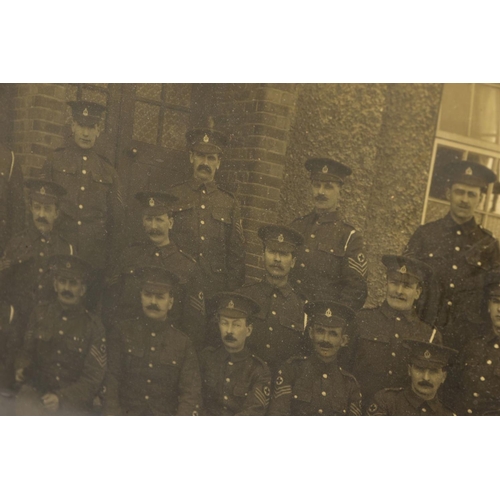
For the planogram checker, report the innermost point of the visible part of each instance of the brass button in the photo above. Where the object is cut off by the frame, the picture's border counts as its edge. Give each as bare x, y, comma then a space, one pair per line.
457, 249
268, 346
320, 411
396, 335
454, 267
482, 379
61, 332
83, 188
307, 250
476, 395
84, 172
80, 207
203, 207
450, 303
459, 232
323, 393
146, 397
270, 328
85, 158
202, 222
153, 349
228, 379
79, 222
488, 362
325, 375
153, 334
469, 411
150, 365
148, 381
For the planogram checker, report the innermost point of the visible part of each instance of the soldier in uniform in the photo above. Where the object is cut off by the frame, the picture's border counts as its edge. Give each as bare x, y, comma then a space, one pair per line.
279, 325
153, 367
26, 275
12, 206
479, 363
235, 381
460, 253
378, 358
92, 211
63, 359
427, 371
332, 262
208, 219
158, 250
316, 384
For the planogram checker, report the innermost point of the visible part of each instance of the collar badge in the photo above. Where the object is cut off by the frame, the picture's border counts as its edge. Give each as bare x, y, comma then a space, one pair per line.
85, 112
403, 270
468, 171
427, 354
206, 138
328, 313
151, 202
281, 238
325, 169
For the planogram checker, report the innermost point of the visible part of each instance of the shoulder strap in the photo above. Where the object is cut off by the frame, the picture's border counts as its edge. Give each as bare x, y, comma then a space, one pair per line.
11, 165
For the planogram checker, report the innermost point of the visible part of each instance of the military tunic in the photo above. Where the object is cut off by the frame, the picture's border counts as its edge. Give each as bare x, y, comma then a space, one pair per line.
378, 358
153, 370
207, 225
234, 384
188, 312
12, 206
278, 328
92, 211
461, 256
64, 353
332, 262
480, 375
309, 386
403, 402
28, 278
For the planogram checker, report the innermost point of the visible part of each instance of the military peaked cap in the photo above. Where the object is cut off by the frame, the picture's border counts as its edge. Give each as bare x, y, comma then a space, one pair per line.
469, 173
87, 113
325, 169
429, 355
156, 202
492, 284
206, 140
44, 191
235, 305
157, 279
407, 267
329, 313
280, 237
70, 266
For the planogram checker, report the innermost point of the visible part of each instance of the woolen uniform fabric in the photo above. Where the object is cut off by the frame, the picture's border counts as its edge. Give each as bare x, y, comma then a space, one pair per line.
153, 370
332, 261
234, 383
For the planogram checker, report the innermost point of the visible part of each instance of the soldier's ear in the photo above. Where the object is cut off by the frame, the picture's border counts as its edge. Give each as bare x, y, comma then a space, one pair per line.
448, 193
310, 331
250, 329
98, 129
419, 292
344, 340
191, 157
294, 259
84, 289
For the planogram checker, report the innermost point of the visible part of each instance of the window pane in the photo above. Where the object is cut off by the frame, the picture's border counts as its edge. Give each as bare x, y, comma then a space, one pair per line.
455, 107
149, 90
486, 113
178, 93
174, 129
444, 155
146, 118
95, 96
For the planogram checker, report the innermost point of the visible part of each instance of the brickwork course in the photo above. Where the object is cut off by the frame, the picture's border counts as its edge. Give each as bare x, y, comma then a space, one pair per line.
385, 133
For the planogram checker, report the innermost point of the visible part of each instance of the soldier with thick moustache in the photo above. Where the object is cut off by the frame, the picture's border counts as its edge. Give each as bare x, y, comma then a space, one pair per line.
427, 372
208, 219
92, 211
332, 262
279, 324
479, 363
63, 359
158, 250
12, 206
153, 367
26, 276
235, 381
316, 384
460, 252
378, 357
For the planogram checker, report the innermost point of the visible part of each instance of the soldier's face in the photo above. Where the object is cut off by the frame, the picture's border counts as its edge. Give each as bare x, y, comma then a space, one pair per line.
326, 195
69, 290
204, 165
327, 340
426, 381
44, 215
157, 228
463, 201
84, 135
277, 262
494, 310
156, 305
234, 332
402, 295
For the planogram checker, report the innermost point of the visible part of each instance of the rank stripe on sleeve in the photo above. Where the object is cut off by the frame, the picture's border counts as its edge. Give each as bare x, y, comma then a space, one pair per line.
359, 268
99, 356
197, 304
355, 410
262, 398
282, 391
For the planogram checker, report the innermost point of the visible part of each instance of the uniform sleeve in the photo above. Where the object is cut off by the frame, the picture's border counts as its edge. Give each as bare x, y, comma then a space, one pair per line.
354, 399
257, 401
94, 369
189, 384
25, 357
355, 268
281, 400
193, 309
17, 206
111, 404
236, 250
378, 406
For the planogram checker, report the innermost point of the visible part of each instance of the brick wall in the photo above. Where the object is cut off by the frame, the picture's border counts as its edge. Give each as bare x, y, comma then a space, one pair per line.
38, 122
259, 117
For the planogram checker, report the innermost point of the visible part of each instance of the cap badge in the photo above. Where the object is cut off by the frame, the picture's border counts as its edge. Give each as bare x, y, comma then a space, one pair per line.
403, 270
427, 354
42, 190
281, 238
151, 202
230, 305
328, 313
68, 265
325, 169
206, 138
468, 171
85, 112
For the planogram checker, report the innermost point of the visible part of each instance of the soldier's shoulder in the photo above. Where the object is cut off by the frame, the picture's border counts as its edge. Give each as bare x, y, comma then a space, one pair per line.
486, 231
347, 375
209, 349
447, 410
105, 159
179, 335
187, 256
296, 360
368, 312
259, 362
226, 192
302, 218
94, 319
250, 286
389, 392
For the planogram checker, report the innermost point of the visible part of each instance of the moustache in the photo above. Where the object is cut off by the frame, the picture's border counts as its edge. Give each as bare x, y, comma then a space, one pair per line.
399, 297
320, 197
464, 205
204, 167
424, 383
67, 294
229, 338
325, 345
155, 232
153, 307
277, 266
42, 219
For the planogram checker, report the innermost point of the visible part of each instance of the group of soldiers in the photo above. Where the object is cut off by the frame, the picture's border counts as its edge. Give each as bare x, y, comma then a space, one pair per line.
167, 325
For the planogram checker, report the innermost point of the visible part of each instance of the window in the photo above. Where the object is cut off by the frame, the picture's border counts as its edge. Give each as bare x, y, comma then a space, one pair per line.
468, 129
